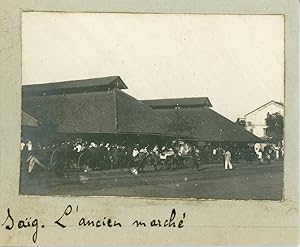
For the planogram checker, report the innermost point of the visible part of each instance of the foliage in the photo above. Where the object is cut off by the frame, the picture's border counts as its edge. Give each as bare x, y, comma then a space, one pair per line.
275, 125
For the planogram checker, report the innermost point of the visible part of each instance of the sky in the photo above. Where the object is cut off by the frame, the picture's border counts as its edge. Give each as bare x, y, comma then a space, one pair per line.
237, 61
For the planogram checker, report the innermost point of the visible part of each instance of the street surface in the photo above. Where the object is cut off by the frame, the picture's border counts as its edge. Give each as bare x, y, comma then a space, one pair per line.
246, 181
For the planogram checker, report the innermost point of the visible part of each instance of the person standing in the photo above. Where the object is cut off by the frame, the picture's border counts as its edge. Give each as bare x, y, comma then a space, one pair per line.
196, 157
227, 160
268, 156
260, 157
277, 154
135, 152
282, 152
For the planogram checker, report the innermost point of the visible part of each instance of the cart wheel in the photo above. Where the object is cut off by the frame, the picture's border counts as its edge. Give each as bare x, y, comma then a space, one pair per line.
123, 164
56, 163
148, 163
188, 161
132, 164
80, 162
175, 163
52, 159
84, 160
158, 166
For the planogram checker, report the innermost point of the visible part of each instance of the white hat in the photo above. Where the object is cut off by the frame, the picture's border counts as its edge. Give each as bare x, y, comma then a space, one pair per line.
93, 145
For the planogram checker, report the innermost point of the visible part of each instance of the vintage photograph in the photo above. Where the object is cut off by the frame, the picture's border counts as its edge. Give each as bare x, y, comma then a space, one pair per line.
152, 105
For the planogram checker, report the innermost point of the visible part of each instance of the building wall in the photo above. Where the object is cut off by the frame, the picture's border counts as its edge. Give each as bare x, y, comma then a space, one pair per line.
255, 122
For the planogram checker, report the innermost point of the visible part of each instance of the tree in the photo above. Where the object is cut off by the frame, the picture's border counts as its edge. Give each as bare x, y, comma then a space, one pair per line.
179, 124
275, 126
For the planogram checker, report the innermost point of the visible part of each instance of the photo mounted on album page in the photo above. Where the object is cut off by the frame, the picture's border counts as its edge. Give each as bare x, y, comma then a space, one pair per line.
145, 124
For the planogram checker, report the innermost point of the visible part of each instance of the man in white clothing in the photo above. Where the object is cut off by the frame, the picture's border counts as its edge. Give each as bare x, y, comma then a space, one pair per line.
227, 159
135, 152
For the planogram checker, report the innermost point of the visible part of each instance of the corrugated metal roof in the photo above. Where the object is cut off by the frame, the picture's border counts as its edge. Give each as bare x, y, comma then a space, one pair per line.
171, 103
74, 86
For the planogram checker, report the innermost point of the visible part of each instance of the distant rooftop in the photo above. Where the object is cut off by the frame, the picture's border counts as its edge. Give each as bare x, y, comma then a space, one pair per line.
191, 102
74, 86
265, 105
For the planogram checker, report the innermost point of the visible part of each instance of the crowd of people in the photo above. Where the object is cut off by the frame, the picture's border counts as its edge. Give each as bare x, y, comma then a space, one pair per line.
90, 155
79, 154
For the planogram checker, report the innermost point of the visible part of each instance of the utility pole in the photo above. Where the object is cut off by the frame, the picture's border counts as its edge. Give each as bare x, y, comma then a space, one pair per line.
177, 108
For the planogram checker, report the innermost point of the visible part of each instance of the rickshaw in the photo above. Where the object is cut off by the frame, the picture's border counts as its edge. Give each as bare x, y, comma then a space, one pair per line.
179, 158
63, 158
138, 163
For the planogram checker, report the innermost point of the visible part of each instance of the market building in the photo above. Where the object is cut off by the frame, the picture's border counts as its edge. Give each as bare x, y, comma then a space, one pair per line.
99, 107
199, 121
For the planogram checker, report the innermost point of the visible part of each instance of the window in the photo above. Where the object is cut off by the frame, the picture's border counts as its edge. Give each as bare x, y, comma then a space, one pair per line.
265, 131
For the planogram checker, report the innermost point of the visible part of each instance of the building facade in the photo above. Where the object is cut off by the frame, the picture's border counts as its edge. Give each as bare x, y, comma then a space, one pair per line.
255, 121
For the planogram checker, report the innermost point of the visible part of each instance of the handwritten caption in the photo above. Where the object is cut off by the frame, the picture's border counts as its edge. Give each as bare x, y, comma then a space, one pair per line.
12, 222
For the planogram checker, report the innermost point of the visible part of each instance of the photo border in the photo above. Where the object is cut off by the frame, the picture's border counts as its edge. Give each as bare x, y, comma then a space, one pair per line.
208, 221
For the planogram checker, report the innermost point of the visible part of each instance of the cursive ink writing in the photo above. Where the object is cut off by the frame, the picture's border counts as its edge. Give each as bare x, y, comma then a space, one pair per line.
84, 222
98, 223
10, 220
170, 222
70, 214
9, 224
67, 212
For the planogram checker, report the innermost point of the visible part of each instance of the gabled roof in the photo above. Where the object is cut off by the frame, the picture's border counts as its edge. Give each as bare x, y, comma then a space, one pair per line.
268, 103
111, 112
133, 116
74, 86
116, 112
74, 113
204, 124
171, 103
28, 121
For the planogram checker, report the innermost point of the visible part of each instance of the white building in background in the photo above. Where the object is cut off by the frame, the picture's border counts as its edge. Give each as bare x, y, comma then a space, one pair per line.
255, 120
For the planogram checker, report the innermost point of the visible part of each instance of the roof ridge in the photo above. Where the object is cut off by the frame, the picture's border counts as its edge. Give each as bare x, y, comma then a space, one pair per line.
135, 99
264, 106
75, 86
184, 102
194, 97
71, 80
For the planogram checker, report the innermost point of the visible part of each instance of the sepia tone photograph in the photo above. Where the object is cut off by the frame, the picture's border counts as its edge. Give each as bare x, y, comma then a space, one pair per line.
153, 105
